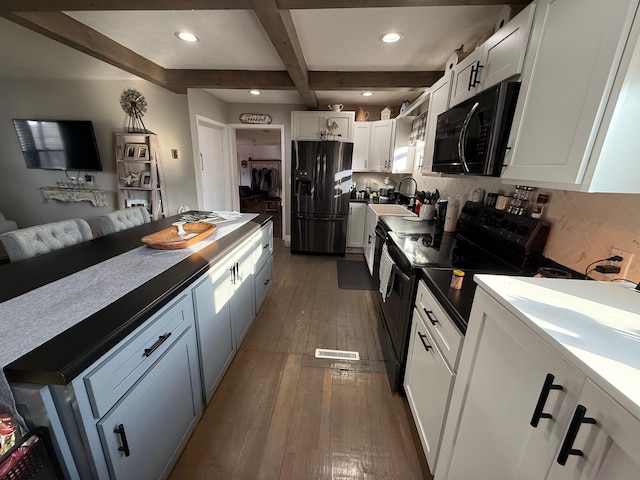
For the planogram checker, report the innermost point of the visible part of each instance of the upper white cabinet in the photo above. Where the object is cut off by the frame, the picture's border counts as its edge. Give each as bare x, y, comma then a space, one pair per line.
579, 102
499, 58
438, 103
383, 146
323, 125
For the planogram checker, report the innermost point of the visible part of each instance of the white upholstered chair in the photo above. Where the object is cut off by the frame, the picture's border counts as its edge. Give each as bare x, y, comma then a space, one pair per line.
32, 241
123, 219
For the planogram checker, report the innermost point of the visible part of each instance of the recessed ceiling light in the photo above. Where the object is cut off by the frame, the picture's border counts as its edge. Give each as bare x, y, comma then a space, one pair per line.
391, 37
187, 37
367, 94
254, 92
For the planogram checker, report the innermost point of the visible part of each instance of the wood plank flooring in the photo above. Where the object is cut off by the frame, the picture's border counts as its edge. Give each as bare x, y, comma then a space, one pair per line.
280, 413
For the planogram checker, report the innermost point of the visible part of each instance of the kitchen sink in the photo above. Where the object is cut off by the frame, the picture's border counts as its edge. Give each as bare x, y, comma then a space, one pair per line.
391, 209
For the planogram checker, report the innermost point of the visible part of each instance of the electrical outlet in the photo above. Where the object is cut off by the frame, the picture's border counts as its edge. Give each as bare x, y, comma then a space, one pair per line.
627, 257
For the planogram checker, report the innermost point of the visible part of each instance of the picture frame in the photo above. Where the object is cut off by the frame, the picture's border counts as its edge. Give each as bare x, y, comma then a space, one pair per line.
145, 180
142, 152
136, 202
136, 151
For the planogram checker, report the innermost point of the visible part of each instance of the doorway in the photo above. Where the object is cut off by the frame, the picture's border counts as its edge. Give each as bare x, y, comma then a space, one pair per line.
259, 155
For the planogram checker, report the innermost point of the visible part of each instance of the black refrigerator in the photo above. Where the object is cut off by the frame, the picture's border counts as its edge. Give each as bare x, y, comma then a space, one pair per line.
320, 190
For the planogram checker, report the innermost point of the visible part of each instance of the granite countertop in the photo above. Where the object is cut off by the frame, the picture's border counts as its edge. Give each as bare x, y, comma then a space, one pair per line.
65, 355
596, 324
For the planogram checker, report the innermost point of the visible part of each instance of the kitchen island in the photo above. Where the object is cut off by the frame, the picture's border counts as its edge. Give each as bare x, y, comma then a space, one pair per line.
100, 326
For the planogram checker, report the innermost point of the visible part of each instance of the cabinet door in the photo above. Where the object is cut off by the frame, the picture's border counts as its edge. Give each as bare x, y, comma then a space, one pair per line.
345, 121
504, 51
438, 103
263, 281
466, 77
144, 433
369, 239
361, 131
355, 226
567, 77
380, 146
214, 328
428, 383
307, 125
242, 303
500, 383
609, 446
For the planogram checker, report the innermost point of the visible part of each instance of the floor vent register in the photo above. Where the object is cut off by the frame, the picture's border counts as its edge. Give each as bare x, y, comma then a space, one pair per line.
337, 354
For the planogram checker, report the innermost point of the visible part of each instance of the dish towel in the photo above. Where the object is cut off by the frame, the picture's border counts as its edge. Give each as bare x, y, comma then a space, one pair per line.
386, 273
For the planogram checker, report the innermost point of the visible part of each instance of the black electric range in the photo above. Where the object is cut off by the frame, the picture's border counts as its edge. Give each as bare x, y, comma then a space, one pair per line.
486, 241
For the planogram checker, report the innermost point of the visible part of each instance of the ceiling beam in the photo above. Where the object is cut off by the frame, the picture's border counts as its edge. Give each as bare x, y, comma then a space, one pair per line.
95, 5
279, 27
371, 80
180, 80
66, 30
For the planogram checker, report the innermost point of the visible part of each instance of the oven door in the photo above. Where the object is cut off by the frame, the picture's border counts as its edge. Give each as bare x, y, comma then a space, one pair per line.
397, 308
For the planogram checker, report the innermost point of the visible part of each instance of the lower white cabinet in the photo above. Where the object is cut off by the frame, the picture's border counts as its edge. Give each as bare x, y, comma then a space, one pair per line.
242, 302
263, 281
215, 329
145, 426
355, 225
607, 436
144, 433
369, 240
428, 383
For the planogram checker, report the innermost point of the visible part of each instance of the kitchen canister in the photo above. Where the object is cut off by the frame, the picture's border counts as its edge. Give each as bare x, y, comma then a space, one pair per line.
427, 212
502, 202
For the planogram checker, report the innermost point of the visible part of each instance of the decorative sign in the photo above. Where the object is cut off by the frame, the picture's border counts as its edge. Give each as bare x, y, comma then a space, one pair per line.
259, 118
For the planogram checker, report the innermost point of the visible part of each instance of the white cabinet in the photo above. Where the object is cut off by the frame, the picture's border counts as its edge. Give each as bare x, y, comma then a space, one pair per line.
154, 420
576, 117
609, 447
372, 148
431, 363
369, 240
322, 125
263, 259
438, 103
355, 226
140, 401
505, 372
215, 328
360, 157
499, 58
242, 300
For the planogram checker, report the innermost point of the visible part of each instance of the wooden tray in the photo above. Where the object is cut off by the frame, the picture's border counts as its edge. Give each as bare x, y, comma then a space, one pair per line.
169, 239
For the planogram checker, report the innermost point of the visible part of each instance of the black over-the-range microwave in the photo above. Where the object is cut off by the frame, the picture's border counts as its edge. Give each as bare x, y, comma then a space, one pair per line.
471, 137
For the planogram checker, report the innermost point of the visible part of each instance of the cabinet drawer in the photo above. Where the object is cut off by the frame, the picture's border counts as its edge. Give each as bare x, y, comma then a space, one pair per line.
263, 281
440, 326
113, 376
263, 248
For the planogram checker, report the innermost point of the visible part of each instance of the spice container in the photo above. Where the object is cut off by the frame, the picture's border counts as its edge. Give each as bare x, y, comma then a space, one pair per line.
457, 277
541, 202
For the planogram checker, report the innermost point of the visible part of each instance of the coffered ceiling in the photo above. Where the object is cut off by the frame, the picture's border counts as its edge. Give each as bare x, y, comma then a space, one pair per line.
294, 51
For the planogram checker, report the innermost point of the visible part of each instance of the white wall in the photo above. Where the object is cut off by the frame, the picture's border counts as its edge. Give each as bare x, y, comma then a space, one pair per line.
98, 101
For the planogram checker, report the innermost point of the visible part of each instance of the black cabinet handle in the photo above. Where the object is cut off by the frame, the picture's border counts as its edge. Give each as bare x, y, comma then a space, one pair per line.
267, 281
123, 438
542, 400
579, 417
232, 270
427, 347
154, 347
265, 246
431, 318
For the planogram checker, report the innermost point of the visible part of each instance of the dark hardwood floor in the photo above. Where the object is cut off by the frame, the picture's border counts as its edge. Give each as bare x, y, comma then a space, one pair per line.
281, 413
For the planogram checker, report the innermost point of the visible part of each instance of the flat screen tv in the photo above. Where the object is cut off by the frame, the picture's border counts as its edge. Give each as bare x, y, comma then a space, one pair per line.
58, 144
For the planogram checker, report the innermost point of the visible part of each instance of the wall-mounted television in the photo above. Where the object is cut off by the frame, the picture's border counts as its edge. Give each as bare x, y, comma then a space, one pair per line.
58, 144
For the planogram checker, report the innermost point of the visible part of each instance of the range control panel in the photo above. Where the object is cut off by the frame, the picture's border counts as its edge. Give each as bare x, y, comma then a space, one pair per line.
525, 234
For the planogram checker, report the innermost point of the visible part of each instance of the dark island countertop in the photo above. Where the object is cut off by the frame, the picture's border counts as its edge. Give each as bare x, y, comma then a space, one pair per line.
59, 360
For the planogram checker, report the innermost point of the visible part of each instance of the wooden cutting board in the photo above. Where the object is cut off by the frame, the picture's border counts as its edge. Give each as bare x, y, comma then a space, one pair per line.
170, 239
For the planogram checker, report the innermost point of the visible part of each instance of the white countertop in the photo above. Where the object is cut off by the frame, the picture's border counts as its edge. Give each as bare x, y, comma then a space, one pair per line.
597, 323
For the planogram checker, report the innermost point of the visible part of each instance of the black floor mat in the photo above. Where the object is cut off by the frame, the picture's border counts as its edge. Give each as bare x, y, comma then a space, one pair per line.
354, 275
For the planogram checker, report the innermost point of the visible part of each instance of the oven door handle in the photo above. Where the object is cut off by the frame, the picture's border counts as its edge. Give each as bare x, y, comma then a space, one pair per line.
399, 273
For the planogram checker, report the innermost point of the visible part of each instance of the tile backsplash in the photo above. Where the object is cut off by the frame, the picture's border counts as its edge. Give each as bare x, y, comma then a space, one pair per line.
584, 226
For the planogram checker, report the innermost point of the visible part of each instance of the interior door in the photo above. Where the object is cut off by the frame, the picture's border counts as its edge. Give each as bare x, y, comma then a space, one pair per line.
214, 170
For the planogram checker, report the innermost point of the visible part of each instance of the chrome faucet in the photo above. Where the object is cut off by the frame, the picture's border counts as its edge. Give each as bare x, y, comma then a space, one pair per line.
408, 178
